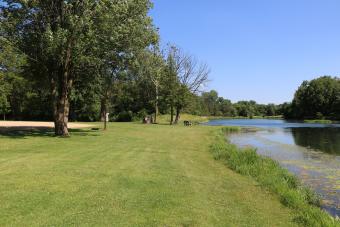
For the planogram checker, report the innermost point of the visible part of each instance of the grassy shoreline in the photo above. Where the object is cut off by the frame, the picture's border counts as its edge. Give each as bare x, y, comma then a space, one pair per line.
273, 177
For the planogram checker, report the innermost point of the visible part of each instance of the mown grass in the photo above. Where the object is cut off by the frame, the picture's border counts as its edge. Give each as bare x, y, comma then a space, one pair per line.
273, 177
129, 175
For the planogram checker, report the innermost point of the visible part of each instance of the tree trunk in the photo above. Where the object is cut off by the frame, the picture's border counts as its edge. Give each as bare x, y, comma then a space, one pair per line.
105, 122
171, 114
60, 92
156, 114
61, 106
4, 117
103, 109
156, 106
178, 111
61, 117
104, 106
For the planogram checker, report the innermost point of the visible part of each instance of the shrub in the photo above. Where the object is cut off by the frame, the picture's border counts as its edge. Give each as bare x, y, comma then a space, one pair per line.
125, 116
319, 116
140, 115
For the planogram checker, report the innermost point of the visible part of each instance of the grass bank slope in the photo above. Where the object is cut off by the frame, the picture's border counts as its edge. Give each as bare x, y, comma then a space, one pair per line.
272, 176
130, 175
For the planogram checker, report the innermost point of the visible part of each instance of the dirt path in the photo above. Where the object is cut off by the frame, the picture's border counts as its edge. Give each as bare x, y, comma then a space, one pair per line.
38, 124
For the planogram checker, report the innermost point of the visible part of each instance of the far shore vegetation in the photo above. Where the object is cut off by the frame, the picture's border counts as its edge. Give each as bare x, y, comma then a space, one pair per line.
320, 121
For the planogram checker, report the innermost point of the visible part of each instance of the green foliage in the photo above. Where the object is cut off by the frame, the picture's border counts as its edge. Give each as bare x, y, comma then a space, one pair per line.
317, 99
246, 108
171, 81
319, 121
209, 101
4, 92
10, 67
278, 180
125, 116
76, 50
102, 56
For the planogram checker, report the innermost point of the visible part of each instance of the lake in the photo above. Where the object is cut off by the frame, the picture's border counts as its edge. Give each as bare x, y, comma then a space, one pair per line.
310, 151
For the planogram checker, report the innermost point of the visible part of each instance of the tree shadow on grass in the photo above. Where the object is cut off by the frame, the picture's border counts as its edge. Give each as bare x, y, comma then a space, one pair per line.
29, 132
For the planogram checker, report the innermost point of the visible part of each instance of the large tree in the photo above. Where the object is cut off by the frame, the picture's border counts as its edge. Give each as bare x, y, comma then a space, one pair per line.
209, 101
133, 32
317, 98
186, 76
171, 80
193, 77
62, 39
150, 66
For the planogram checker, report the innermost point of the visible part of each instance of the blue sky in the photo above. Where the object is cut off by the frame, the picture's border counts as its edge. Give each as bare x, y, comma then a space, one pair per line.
257, 49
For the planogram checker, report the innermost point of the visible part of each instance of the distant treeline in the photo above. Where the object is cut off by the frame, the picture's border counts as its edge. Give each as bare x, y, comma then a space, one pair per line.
210, 104
315, 99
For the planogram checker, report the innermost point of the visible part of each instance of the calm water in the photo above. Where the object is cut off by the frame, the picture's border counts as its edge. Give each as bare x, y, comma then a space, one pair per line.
311, 151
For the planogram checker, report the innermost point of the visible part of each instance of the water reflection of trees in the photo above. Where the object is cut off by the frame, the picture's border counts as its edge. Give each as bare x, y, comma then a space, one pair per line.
323, 139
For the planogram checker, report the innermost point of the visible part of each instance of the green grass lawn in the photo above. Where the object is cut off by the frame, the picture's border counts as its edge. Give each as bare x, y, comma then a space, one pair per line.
130, 175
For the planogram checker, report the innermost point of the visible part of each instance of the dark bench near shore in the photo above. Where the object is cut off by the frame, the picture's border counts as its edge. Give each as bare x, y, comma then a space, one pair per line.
187, 123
